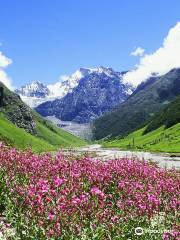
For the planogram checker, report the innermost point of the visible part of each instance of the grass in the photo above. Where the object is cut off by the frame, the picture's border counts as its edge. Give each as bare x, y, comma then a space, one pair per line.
58, 137
46, 137
159, 140
18, 137
49, 137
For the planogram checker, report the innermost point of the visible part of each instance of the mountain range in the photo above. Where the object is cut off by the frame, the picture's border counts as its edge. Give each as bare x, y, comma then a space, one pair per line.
98, 91
35, 93
101, 97
114, 109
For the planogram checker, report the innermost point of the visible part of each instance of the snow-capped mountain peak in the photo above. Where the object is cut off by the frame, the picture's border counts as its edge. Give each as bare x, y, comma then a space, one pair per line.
100, 70
61, 88
36, 92
34, 89
90, 93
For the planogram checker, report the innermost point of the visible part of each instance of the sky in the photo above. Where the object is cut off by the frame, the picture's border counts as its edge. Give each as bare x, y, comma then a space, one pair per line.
45, 39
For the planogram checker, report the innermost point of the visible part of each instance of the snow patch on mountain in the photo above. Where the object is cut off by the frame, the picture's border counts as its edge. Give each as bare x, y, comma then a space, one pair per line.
34, 89
61, 88
36, 92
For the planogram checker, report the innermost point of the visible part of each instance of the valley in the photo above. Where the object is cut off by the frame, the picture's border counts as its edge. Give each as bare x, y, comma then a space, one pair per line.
90, 120
22, 127
81, 130
72, 173
146, 120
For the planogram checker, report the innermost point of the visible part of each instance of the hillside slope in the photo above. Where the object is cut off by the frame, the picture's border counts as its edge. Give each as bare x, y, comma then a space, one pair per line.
54, 135
161, 134
18, 137
22, 127
168, 116
140, 107
45, 140
160, 140
16, 111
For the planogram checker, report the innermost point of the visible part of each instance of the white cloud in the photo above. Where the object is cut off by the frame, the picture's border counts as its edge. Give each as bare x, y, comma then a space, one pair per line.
138, 52
161, 61
5, 79
4, 62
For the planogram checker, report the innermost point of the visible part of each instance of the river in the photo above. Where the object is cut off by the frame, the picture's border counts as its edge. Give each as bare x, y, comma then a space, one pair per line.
164, 160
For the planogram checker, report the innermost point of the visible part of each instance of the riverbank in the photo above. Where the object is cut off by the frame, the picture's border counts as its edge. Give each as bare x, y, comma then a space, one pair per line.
159, 140
165, 160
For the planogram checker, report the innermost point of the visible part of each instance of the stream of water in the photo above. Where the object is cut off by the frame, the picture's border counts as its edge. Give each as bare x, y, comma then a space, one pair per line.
162, 159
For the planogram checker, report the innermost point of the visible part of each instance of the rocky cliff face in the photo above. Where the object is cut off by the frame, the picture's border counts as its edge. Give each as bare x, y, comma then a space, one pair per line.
15, 110
21, 116
98, 91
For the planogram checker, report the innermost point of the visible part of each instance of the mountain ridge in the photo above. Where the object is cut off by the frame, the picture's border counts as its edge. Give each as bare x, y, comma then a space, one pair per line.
161, 134
138, 109
168, 116
36, 93
97, 92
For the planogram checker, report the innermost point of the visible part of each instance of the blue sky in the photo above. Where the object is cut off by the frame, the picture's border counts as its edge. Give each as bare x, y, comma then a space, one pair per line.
49, 38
